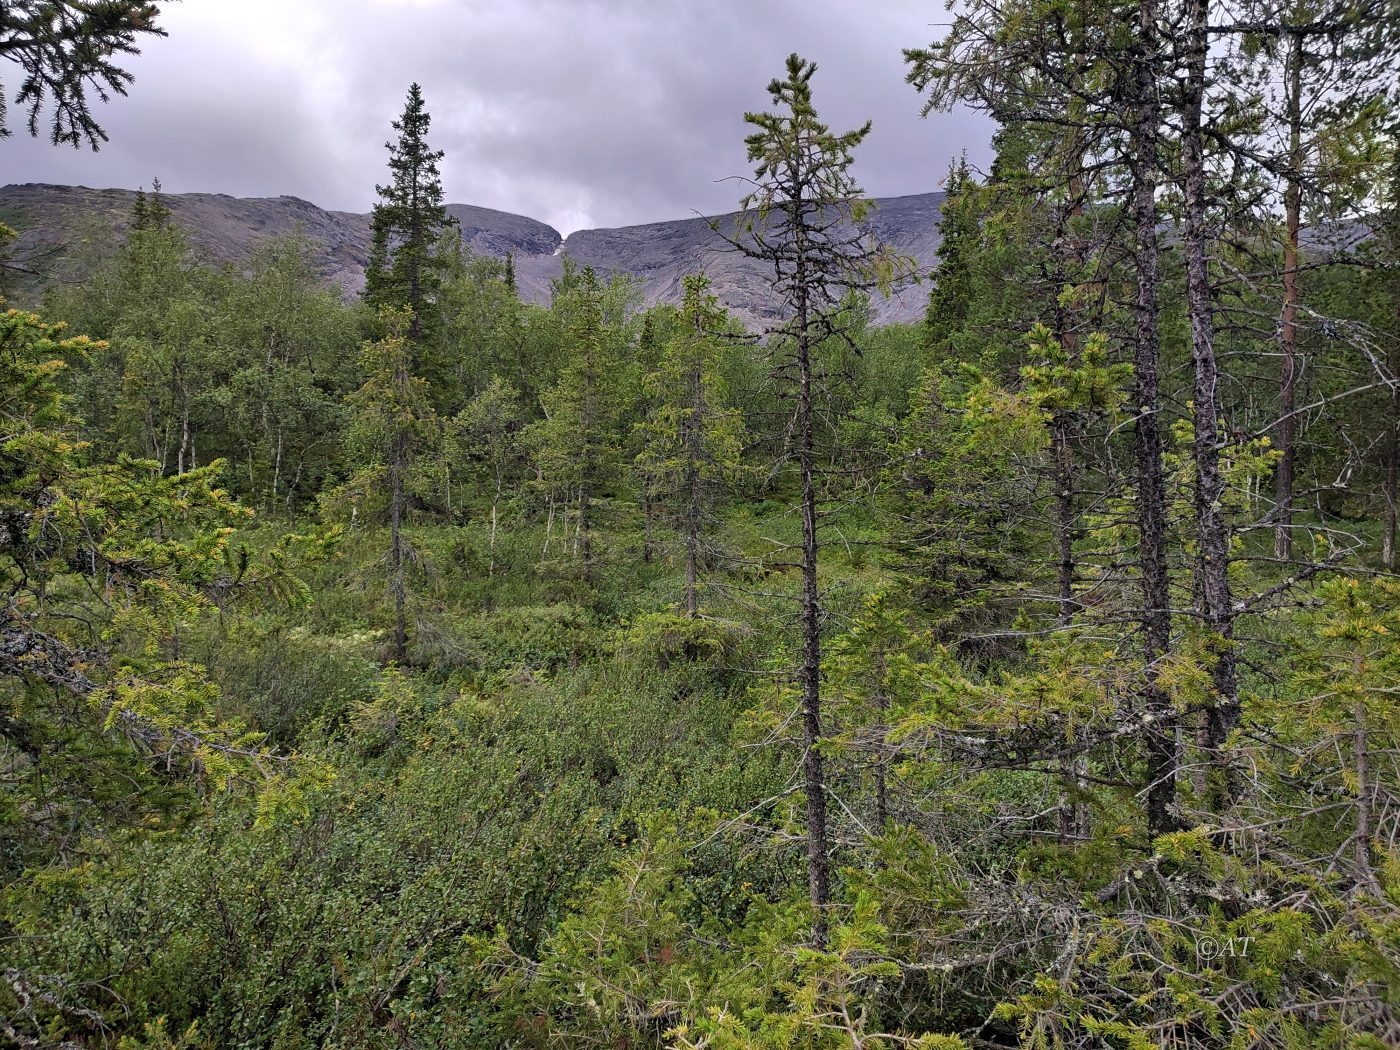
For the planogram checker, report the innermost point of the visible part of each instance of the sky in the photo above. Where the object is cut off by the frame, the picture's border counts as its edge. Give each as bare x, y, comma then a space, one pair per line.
580, 113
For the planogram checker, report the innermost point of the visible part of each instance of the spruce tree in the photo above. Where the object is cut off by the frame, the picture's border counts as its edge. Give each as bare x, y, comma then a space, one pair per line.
1095, 72
1323, 72
149, 212
801, 219
577, 445
66, 49
959, 229
392, 421
403, 281
404, 269
1212, 578
692, 438
90, 682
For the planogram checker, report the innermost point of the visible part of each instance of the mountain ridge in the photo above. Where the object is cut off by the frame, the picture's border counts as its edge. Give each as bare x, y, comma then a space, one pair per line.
65, 224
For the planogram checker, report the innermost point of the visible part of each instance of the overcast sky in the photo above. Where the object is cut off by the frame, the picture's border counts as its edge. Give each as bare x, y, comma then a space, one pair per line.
581, 113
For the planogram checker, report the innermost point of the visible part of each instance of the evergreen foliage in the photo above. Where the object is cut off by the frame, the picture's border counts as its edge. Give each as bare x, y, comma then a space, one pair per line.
407, 223
449, 670
66, 50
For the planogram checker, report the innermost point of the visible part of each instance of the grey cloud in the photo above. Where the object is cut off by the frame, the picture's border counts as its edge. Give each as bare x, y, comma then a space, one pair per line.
599, 112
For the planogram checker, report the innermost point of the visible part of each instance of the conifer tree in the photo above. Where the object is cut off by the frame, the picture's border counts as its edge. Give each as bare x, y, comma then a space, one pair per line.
959, 230
404, 268
963, 513
1144, 160
1324, 73
1357, 91
1212, 530
577, 445
392, 421
149, 212
693, 439
157, 552
67, 49
799, 219
1088, 70
649, 358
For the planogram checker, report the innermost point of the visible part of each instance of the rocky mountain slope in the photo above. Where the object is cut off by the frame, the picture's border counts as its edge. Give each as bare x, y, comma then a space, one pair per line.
61, 225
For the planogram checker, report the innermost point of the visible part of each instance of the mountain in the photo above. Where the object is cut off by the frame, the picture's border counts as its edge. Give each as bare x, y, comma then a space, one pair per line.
660, 254
59, 222
62, 225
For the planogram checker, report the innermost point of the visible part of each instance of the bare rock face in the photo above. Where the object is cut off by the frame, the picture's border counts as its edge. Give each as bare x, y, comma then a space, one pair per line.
659, 255
491, 232
62, 225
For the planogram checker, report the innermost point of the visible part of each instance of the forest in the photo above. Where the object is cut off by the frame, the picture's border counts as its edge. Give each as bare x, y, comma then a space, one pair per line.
437, 669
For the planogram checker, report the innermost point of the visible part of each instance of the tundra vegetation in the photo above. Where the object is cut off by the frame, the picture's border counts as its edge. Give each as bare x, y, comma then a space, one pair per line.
442, 670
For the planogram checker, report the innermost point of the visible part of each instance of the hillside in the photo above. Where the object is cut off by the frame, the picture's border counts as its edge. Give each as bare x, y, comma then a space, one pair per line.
61, 225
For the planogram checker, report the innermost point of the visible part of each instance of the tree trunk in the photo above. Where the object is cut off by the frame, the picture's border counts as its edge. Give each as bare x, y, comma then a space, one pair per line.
809, 676
1069, 261
1392, 456
397, 457
648, 515
182, 457
1070, 817
588, 469
692, 568
881, 742
1064, 514
1288, 332
495, 505
1362, 872
277, 466
583, 532
1361, 846
416, 243
694, 450
1212, 533
548, 526
1392, 475
1160, 736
